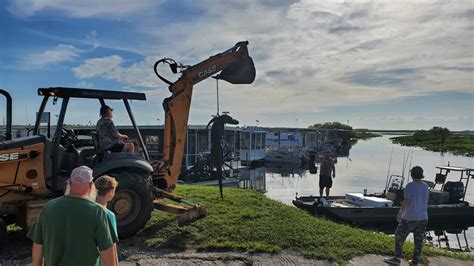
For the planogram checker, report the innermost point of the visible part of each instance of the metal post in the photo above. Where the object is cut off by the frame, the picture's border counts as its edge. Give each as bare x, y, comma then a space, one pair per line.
8, 98
459, 242
187, 149
40, 112
140, 139
465, 239
217, 94
56, 140
49, 125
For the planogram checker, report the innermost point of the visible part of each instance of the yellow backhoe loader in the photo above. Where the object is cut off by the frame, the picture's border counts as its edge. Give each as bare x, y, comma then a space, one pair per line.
34, 169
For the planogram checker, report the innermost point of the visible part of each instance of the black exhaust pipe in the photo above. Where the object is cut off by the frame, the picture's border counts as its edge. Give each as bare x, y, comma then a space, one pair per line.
8, 134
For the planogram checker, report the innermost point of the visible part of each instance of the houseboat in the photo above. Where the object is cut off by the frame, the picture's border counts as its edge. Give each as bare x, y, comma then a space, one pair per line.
247, 144
292, 145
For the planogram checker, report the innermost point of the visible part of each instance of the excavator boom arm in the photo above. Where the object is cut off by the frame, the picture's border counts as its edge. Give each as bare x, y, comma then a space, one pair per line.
177, 106
214, 64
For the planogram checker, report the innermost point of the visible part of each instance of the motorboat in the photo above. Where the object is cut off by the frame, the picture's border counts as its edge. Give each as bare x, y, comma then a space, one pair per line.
285, 155
447, 207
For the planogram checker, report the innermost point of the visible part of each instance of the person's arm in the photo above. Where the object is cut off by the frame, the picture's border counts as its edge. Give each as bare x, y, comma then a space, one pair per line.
35, 233
407, 196
122, 137
37, 255
407, 193
106, 238
403, 207
115, 132
333, 170
405, 204
116, 254
109, 257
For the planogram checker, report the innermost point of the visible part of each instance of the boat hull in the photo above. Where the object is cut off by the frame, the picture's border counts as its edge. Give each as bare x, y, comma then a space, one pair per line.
384, 218
284, 156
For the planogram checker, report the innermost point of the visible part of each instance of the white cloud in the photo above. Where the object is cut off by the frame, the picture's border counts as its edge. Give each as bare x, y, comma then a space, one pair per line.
313, 55
97, 66
92, 39
139, 74
60, 53
83, 8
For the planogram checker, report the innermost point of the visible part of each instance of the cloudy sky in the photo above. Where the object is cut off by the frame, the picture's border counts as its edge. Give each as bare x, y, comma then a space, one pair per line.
375, 64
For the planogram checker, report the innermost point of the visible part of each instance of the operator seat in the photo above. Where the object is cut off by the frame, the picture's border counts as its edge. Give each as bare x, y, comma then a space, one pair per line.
99, 152
48, 163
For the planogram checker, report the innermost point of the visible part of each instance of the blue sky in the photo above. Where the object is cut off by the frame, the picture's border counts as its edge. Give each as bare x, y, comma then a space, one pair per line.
374, 64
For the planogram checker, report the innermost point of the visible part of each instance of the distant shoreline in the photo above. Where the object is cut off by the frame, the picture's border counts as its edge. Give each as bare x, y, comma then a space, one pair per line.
456, 143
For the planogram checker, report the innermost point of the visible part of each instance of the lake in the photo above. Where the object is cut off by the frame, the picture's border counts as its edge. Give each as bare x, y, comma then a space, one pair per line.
365, 168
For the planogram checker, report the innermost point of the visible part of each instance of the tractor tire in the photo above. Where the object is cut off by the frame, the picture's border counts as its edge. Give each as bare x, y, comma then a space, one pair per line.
3, 234
133, 201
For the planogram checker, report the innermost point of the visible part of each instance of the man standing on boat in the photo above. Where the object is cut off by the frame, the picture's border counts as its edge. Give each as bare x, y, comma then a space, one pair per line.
412, 217
325, 179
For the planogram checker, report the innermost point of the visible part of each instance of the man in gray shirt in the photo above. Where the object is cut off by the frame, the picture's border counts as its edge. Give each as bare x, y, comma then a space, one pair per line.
412, 217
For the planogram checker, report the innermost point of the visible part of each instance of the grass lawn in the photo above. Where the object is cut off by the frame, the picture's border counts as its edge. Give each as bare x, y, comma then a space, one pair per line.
248, 221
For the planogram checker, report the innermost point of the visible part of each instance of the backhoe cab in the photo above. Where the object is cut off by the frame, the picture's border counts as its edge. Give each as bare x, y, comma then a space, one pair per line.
38, 166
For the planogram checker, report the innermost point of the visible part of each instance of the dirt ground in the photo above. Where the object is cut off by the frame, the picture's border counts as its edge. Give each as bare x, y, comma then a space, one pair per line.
229, 258
19, 248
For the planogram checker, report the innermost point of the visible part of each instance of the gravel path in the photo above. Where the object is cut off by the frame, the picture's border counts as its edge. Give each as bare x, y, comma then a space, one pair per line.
18, 253
229, 258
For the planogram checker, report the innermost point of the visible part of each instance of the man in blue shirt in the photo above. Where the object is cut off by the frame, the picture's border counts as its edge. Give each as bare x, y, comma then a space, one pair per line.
412, 217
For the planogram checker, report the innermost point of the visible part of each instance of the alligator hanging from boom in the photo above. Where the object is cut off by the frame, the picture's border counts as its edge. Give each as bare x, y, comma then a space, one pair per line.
217, 137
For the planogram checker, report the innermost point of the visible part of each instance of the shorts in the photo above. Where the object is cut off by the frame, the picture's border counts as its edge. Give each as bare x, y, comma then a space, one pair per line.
325, 181
117, 147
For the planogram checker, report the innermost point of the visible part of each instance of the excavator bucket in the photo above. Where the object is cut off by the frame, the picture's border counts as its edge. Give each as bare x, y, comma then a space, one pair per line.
186, 214
191, 215
240, 72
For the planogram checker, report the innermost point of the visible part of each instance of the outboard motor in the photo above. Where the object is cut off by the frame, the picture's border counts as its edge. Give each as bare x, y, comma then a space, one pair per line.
455, 189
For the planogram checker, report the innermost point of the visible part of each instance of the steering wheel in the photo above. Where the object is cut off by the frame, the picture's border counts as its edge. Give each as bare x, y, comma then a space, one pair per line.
68, 136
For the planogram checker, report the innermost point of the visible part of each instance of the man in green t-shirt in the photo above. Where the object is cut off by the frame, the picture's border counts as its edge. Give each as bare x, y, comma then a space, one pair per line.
73, 229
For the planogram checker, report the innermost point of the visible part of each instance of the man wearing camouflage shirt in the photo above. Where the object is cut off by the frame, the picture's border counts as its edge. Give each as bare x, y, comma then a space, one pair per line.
108, 136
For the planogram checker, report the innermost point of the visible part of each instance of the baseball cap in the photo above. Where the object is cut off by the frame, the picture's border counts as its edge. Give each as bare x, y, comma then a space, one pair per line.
104, 108
81, 174
417, 172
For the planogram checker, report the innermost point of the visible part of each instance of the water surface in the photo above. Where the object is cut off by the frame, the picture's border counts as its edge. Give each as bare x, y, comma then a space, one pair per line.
366, 167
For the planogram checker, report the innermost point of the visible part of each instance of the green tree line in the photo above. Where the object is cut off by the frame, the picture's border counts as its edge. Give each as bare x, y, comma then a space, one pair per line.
439, 139
355, 133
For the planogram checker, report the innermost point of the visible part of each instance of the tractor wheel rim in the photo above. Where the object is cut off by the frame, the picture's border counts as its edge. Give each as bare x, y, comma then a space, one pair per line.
126, 205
